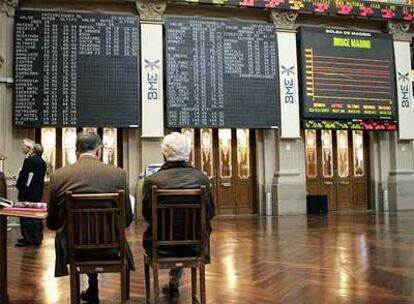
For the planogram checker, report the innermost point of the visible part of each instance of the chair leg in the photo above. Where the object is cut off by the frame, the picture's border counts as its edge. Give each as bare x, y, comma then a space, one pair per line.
128, 281
147, 283
156, 283
203, 284
123, 285
74, 288
194, 285
78, 287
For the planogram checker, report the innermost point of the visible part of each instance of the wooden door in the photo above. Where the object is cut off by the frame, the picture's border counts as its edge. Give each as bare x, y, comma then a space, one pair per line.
226, 157
337, 166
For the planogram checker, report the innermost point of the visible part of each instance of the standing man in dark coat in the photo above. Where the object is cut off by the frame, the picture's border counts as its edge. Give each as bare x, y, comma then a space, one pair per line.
87, 175
30, 186
175, 173
3, 185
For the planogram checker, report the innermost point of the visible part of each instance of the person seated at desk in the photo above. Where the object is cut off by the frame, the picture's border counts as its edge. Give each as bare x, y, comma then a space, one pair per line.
87, 175
176, 173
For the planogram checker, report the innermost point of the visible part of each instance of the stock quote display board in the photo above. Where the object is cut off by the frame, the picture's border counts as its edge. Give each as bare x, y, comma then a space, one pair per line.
221, 74
76, 69
347, 75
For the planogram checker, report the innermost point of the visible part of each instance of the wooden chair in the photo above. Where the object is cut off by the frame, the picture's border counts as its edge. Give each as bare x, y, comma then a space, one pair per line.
167, 204
96, 238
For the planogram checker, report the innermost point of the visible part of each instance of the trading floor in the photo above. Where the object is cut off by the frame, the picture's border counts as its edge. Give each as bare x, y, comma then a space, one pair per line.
344, 257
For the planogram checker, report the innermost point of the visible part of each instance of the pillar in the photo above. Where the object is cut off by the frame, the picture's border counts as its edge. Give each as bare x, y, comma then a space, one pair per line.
401, 173
152, 73
10, 137
288, 181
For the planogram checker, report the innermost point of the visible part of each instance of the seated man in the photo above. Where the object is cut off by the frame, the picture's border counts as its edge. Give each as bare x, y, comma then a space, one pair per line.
87, 175
175, 173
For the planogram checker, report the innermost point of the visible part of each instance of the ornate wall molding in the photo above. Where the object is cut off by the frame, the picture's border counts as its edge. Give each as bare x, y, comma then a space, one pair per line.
284, 19
399, 30
8, 6
151, 10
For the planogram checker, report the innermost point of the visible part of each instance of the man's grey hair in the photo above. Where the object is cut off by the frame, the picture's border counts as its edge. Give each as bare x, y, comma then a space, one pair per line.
87, 142
28, 143
175, 147
37, 149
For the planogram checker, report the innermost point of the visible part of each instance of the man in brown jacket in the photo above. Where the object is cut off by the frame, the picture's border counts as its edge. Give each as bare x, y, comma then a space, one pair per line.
87, 175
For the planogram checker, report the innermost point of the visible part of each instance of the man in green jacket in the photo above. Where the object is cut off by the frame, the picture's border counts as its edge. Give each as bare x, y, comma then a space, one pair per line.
176, 173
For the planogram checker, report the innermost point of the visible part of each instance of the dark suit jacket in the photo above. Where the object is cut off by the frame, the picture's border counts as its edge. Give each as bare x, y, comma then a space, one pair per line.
87, 175
178, 175
32, 193
3, 185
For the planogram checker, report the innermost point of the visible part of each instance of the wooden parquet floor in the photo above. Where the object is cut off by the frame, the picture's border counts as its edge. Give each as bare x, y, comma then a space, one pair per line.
341, 258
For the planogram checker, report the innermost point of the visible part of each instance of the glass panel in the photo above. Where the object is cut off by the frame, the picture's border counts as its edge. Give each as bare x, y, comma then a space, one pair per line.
189, 134
327, 166
48, 141
358, 141
69, 146
225, 152
207, 151
89, 129
342, 153
110, 143
243, 153
311, 159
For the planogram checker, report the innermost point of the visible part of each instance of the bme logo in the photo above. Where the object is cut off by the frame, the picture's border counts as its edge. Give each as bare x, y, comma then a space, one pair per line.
152, 78
404, 89
288, 84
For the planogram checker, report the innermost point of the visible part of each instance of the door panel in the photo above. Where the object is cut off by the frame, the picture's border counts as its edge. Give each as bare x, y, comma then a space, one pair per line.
226, 185
312, 160
244, 195
328, 179
360, 194
359, 170
243, 176
343, 180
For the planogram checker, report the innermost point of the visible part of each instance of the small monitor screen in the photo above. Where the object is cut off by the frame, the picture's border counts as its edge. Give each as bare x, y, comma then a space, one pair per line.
152, 169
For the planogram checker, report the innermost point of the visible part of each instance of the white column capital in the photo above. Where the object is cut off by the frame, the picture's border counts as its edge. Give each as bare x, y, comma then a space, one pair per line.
399, 30
284, 20
151, 10
8, 6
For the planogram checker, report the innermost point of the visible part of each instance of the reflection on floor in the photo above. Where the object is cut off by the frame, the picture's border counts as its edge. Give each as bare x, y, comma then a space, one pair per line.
341, 258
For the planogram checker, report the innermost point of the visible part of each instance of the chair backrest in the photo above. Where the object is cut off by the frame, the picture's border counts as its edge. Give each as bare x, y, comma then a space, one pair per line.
95, 221
179, 218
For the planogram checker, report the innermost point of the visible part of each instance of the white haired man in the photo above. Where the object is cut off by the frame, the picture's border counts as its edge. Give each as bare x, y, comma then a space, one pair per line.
175, 173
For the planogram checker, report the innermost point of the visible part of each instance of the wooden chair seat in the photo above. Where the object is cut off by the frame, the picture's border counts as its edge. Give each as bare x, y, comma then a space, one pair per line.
178, 237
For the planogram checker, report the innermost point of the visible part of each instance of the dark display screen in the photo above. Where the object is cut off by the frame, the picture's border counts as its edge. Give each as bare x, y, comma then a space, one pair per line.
347, 75
221, 74
75, 69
